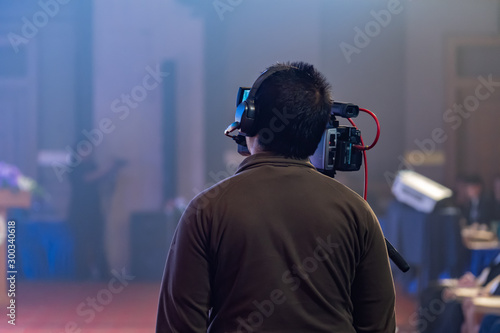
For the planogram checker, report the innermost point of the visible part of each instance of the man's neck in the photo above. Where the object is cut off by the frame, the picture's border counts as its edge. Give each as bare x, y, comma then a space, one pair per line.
253, 145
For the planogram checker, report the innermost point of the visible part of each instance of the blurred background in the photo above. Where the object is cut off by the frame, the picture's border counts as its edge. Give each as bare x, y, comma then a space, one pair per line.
114, 111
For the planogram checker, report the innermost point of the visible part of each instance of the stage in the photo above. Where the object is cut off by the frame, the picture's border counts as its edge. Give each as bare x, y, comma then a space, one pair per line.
71, 307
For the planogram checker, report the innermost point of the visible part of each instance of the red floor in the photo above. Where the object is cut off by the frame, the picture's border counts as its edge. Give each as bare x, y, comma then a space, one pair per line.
65, 307
406, 312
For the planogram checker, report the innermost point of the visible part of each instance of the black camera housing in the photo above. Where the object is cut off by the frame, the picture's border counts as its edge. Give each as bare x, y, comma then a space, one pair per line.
336, 150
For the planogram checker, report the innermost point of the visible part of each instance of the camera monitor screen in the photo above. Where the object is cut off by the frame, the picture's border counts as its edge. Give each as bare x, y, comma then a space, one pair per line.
242, 95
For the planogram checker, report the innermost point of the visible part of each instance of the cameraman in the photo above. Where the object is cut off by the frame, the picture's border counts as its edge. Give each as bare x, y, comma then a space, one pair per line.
279, 247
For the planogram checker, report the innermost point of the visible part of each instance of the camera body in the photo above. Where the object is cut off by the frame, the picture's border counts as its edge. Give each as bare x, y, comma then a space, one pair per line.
336, 151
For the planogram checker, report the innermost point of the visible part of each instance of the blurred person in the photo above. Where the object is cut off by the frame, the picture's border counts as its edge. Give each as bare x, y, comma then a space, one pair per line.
279, 247
474, 321
86, 218
476, 209
453, 314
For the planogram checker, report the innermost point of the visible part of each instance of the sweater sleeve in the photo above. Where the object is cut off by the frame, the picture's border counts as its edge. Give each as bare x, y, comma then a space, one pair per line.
184, 299
372, 291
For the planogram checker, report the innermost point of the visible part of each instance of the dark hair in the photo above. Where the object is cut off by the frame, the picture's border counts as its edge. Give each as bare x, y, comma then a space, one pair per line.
473, 179
293, 106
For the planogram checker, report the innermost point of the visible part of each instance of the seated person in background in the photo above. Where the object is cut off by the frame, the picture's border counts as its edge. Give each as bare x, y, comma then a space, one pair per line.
476, 209
450, 318
472, 318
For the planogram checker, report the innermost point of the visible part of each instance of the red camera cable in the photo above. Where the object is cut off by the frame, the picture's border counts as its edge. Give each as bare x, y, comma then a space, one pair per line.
393, 253
365, 148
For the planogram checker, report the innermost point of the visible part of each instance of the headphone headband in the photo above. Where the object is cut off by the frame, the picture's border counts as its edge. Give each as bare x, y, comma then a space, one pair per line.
246, 113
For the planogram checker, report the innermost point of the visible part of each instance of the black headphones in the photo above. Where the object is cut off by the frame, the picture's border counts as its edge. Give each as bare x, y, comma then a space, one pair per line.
246, 113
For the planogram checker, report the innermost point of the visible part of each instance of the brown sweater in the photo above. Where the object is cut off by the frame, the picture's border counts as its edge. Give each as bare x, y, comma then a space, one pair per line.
278, 247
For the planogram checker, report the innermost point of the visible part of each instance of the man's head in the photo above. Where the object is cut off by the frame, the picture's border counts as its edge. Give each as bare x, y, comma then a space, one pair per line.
473, 186
293, 106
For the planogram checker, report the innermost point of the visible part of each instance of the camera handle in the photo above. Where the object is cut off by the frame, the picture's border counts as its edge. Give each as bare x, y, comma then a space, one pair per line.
396, 258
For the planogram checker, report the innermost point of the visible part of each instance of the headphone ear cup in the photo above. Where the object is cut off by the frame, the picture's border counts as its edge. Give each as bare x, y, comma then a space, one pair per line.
248, 121
246, 112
